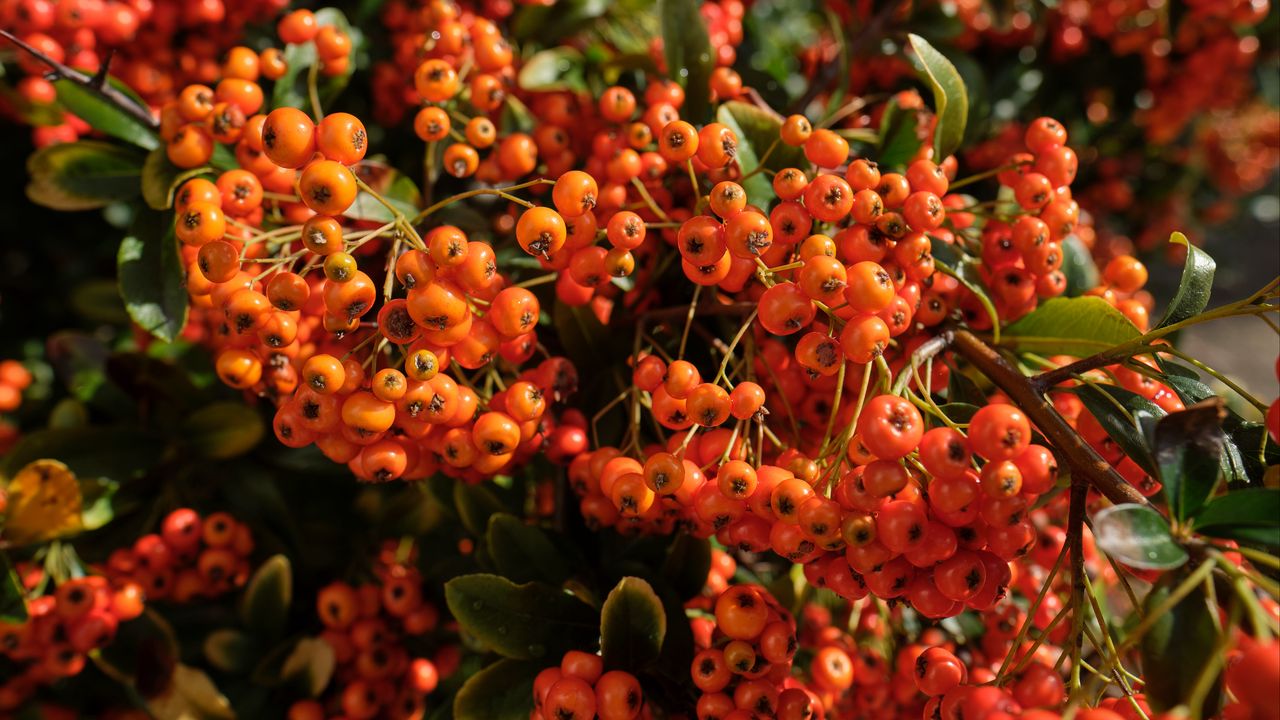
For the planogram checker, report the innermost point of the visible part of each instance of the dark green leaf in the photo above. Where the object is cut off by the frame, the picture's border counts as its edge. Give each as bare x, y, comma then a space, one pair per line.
1078, 266
291, 88
950, 99
501, 691
230, 650
267, 598
632, 626
1178, 646
476, 503
161, 178
526, 622
1137, 536
559, 68
144, 650
1251, 507
1194, 288
1122, 414
959, 412
757, 131
114, 453
546, 24
686, 565
83, 175
523, 552
899, 136
13, 603
1188, 448
152, 278
104, 116
690, 57
1078, 326
223, 430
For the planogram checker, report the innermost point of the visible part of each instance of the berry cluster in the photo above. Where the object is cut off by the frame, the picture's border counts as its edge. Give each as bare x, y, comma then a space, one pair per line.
14, 379
370, 628
191, 557
62, 627
580, 689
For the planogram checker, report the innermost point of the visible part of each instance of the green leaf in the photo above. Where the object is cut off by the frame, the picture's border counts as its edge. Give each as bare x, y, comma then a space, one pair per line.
161, 178
1188, 451
223, 430
1137, 536
398, 190
152, 278
757, 131
230, 650
1249, 514
1078, 326
686, 566
690, 58
1194, 288
192, 694
950, 99
83, 175
559, 68
501, 691
291, 88
526, 622
115, 453
267, 598
1178, 646
103, 115
311, 664
632, 626
899, 136
1078, 266
523, 552
1125, 416
548, 24
476, 504
13, 602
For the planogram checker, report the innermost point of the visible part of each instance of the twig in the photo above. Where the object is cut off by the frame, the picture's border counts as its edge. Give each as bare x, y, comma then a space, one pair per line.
97, 84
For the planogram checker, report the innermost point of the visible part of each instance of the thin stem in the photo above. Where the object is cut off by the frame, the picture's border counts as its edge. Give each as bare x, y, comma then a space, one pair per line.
648, 200
476, 193
313, 90
688, 320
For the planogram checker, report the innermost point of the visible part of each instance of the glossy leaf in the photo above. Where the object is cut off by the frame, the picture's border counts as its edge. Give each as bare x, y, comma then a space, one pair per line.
757, 131
1195, 287
267, 598
398, 190
950, 99
501, 691
161, 178
523, 552
1127, 426
632, 626
559, 68
1248, 514
116, 453
311, 664
1188, 450
230, 650
1078, 326
686, 566
83, 175
1137, 536
1078, 266
104, 116
13, 603
899, 136
548, 23
1178, 647
526, 622
151, 276
690, 57
223, 430
476, 504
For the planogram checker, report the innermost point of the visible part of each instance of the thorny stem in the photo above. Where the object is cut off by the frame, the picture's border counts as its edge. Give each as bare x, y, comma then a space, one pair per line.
97, 84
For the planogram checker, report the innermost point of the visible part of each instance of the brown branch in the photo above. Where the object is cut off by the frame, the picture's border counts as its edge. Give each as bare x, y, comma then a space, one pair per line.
1045, 381
96, 84
1083, 459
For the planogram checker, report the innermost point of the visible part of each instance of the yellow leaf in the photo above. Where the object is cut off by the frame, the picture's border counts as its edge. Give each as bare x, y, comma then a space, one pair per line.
191, 696
44, 503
